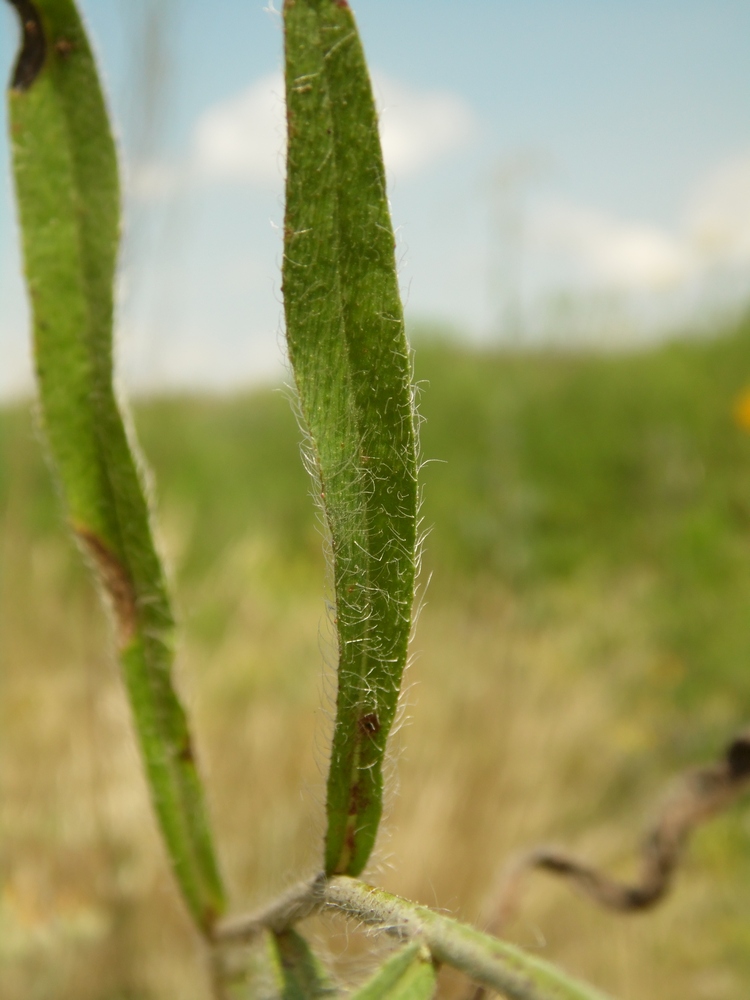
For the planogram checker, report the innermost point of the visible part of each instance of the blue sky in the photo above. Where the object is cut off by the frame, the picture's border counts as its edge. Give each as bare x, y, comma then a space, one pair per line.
558, 172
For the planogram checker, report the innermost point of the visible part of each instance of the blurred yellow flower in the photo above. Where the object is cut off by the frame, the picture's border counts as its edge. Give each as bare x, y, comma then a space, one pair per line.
741, 410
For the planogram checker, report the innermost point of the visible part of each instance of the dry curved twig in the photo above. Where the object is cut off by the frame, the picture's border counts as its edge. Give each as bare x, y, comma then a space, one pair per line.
698, 795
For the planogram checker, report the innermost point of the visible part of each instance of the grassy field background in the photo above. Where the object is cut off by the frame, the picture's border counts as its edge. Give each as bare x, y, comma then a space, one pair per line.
586, 634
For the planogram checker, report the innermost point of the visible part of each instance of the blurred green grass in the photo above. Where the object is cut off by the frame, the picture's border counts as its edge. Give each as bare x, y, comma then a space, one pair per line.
560, 466
586, 633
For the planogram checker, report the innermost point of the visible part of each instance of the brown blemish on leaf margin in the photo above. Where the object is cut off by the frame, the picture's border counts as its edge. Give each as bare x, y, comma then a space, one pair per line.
186, 755
116, 582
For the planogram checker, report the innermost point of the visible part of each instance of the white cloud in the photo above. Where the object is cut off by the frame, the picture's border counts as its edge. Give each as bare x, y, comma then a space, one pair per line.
16, 364
657, 278
590, 248
605, 251
718, 214
242, 138
418, 127
16, 367
152, 180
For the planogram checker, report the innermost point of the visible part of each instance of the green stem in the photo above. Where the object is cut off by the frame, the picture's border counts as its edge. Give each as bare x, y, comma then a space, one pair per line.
486, 960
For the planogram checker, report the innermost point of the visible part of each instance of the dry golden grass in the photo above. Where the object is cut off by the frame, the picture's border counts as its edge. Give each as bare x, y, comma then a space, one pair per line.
519, 728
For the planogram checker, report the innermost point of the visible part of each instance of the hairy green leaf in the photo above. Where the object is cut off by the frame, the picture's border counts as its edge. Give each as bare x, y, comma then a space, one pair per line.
409, 974
68, 197
347, 345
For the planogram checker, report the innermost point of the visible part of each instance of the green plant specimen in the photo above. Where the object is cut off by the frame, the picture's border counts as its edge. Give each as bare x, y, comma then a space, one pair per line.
69, 205
352, 369
345, 330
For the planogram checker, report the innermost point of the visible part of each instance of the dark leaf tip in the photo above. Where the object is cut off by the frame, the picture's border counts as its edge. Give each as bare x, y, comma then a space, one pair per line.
33, 47
738, 757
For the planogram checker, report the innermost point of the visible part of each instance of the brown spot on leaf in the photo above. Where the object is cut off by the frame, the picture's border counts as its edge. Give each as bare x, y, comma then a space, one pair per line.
63, 47
186, 754
350, 843
358, 802
369, 724
116, 581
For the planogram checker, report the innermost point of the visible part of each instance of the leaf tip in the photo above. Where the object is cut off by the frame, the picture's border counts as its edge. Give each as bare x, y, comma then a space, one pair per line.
33, 50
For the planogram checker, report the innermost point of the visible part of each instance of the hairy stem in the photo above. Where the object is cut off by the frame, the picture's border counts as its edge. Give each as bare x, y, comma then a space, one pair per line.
299, 902
486, 960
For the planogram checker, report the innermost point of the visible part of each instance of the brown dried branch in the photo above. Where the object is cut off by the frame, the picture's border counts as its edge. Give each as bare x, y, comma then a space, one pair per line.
697, 796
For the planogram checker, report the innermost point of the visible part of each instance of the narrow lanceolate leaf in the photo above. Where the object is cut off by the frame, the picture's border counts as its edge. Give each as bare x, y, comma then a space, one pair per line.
299, 970
276, 967
68, 198
410, 974
346, 341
